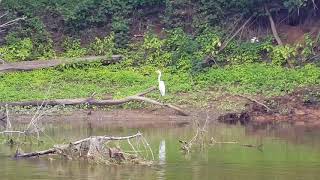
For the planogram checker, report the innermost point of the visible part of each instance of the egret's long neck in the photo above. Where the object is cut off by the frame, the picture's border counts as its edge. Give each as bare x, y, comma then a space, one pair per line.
159, 76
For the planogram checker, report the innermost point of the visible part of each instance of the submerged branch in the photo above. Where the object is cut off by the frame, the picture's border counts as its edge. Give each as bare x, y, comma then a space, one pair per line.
12, 132
107, 138
54, 150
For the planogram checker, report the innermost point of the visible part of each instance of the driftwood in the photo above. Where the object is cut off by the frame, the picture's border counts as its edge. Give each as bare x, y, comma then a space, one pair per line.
8, 23
94, 102
56, 149
40, 64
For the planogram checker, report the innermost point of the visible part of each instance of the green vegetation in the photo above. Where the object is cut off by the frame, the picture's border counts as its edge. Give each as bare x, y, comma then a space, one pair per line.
82, 82
190, 34
51, 23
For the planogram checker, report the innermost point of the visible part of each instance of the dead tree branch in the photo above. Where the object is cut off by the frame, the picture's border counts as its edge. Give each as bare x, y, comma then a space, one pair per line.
11, 22
225, 44
208, 59
94, 102
55, 150
12, 132
254, 101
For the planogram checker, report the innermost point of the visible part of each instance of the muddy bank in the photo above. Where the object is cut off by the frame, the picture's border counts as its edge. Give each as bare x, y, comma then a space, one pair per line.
300, 108
150, 118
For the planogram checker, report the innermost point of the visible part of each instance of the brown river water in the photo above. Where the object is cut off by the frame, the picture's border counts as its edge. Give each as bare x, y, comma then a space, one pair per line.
287, 154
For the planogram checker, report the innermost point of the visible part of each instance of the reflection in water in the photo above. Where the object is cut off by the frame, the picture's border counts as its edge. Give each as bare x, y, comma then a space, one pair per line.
291, 158
162, 160
162, 152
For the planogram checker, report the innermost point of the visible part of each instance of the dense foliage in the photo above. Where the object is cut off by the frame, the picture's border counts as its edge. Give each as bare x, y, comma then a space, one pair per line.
74, 82
177, 38
80, 18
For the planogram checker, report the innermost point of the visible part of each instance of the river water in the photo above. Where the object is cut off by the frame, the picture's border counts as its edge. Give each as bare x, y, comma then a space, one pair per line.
287, 153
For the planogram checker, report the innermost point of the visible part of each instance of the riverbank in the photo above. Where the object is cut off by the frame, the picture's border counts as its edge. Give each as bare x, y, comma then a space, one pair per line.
232, 89
300, 109
105, 82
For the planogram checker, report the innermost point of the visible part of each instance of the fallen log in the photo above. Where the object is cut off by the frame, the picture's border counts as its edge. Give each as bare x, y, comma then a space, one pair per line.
41, 64
95, 102
55, 150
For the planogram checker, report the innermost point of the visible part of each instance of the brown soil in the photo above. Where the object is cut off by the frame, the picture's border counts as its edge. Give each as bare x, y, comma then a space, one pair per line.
292, 34
301, 109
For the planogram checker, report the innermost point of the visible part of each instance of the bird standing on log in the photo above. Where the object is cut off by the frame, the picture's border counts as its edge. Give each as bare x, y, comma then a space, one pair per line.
162, 87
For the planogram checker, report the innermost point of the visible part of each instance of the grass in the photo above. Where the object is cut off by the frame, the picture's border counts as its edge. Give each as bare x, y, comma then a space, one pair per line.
82, 82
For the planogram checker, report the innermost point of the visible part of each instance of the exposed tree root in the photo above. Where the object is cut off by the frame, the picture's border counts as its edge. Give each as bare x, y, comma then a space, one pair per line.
255, 101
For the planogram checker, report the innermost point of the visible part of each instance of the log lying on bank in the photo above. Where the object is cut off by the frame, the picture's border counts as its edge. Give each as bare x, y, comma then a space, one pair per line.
41, 64
94, 102
61, 148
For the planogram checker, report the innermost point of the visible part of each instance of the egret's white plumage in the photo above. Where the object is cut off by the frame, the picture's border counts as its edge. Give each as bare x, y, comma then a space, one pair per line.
254, 40
162, 87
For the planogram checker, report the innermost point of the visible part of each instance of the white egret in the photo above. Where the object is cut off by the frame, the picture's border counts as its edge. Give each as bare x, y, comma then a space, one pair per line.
162, 87
254, 40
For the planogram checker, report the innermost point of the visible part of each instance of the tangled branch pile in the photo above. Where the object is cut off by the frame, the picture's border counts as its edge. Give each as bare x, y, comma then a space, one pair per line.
95, 149
99, 149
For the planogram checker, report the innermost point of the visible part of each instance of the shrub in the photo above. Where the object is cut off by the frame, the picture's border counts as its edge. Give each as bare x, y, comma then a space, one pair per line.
19, 51
105, 46
72, 48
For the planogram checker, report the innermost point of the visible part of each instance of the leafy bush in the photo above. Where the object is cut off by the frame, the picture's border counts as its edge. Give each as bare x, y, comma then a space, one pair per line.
155, 55
34, 30
72, 48
18, 51
105, 46
282, 54
259, 78
44, 51
120, 27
